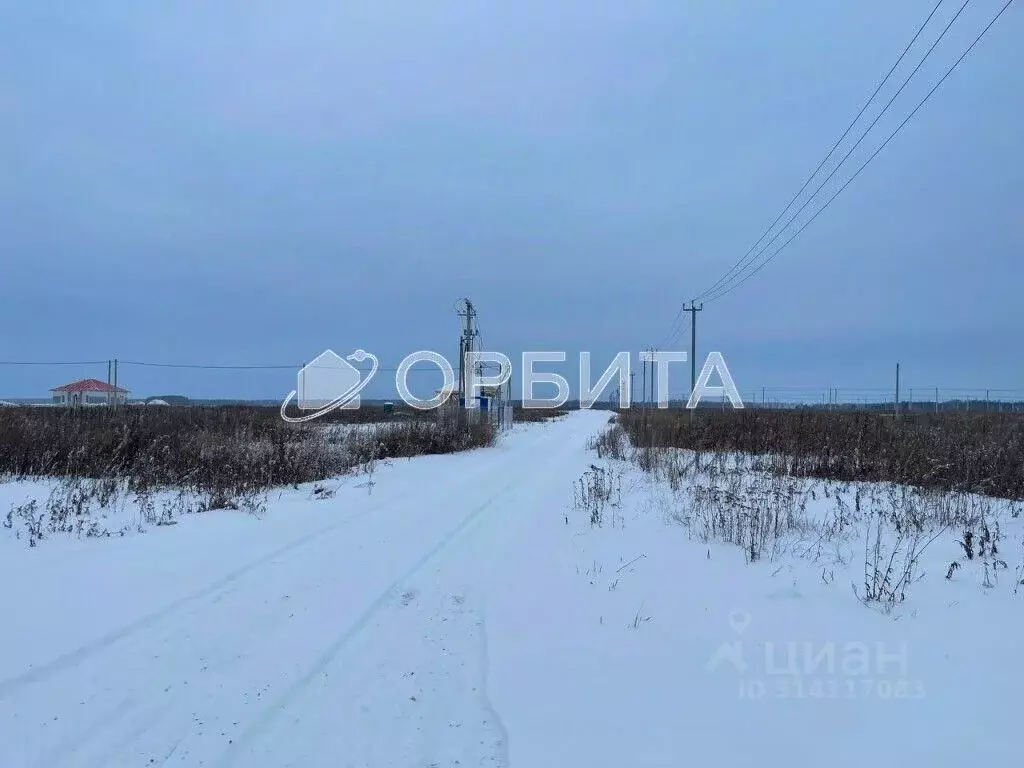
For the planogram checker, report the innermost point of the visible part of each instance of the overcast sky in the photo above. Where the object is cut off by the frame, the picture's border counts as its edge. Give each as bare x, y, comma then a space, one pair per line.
241, 182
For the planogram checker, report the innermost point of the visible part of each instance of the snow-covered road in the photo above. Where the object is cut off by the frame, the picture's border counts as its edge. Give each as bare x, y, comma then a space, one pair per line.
342, 632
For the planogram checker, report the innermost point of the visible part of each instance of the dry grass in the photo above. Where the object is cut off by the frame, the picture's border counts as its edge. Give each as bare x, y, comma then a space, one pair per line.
787, 483
223, 451
979, 453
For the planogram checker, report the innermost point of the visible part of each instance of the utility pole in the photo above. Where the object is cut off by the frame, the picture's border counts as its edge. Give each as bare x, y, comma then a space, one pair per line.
651, 362
110, 364
897, 388
693, 309
462, 356
632, 387
115, 383
644, 398
469, 334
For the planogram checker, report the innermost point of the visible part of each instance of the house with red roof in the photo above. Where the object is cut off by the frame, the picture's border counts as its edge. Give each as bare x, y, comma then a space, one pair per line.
88, 392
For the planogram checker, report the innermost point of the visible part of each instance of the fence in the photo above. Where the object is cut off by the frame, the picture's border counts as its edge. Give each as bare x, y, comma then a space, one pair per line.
496, 410
912, 399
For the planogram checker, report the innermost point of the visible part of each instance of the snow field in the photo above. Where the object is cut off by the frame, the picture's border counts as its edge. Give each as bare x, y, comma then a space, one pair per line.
463, 610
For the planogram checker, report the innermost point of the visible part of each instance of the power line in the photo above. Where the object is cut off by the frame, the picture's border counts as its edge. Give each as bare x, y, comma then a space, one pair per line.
36, 363
825, 159
675, 330
671, 340
200, 367
722, 291
292, 366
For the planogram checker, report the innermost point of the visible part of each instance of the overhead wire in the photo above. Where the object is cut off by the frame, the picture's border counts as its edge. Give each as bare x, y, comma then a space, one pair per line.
723, 288
727, 289
831, 151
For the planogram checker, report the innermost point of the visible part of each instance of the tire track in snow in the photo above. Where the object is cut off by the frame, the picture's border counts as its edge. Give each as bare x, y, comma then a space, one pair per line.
260, 723
112, 714
84, 735
86, 657
468, 526
83, 652
495, 529
495, 719
130, 739
143, 721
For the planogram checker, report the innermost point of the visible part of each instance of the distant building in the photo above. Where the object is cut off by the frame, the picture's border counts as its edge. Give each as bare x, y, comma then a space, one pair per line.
88, 392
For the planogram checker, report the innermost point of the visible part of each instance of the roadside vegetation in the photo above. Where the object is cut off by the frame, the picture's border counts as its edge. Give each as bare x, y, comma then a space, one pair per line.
967, 452
835, 488
168, 460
